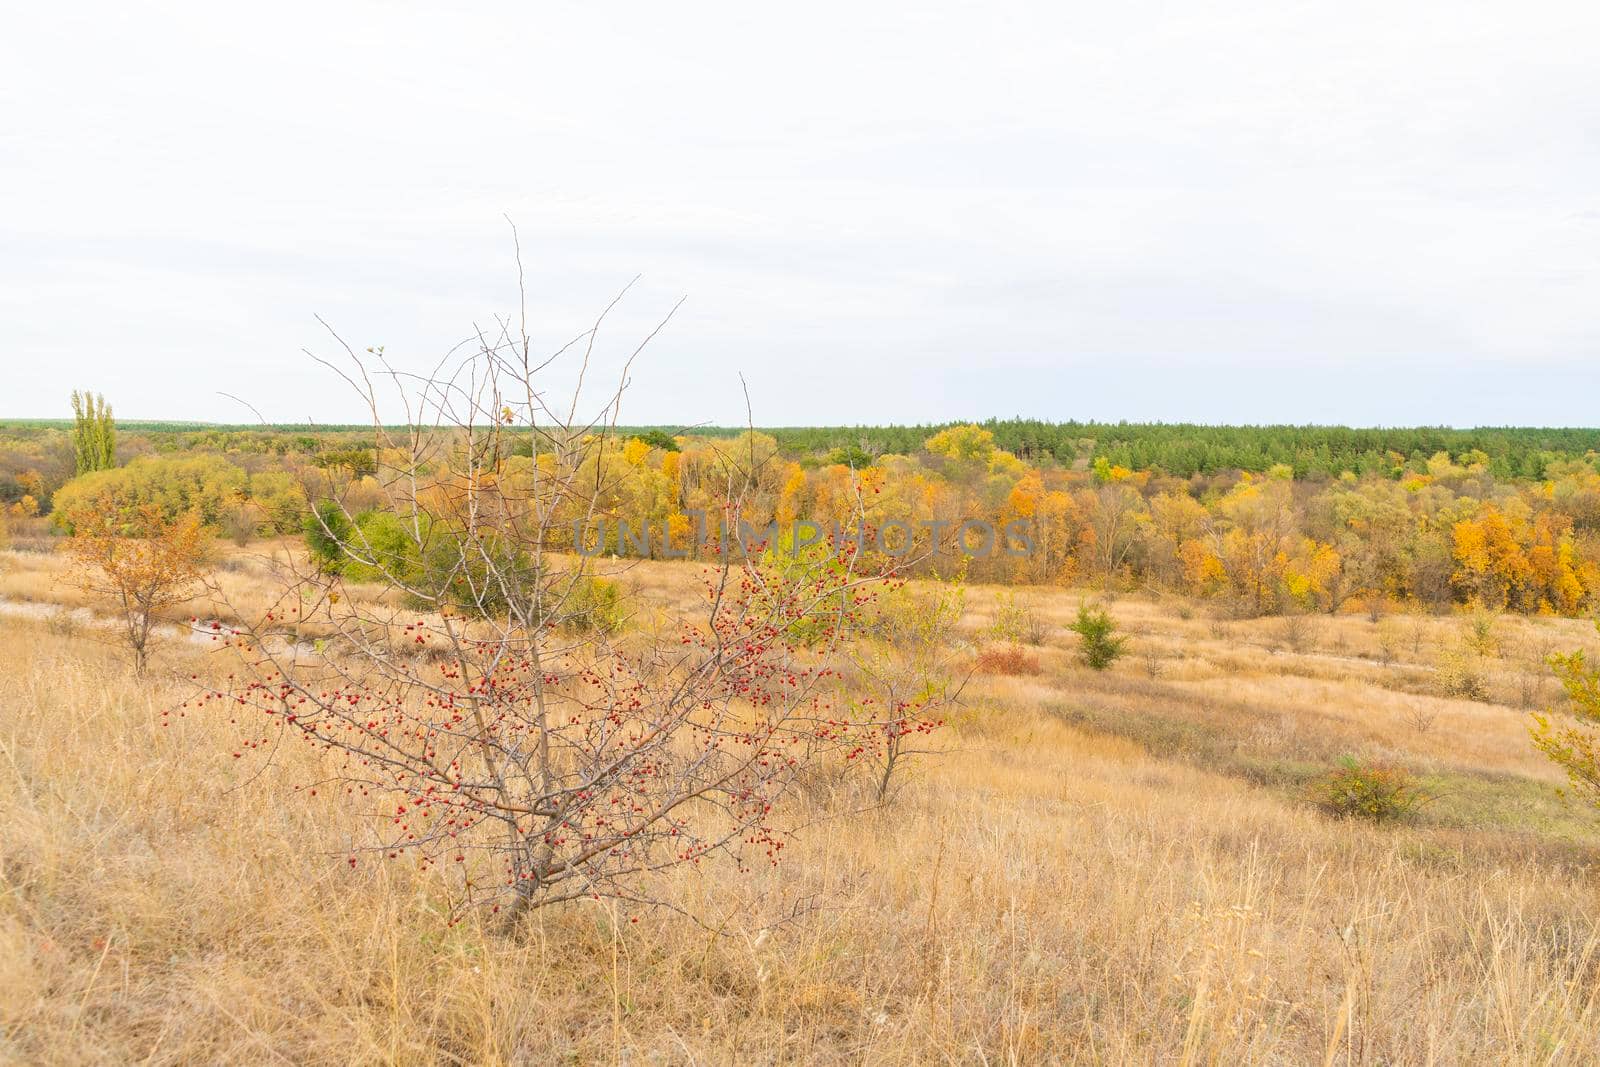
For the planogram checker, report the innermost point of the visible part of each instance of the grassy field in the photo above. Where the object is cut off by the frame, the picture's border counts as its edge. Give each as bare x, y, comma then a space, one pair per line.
1099, 867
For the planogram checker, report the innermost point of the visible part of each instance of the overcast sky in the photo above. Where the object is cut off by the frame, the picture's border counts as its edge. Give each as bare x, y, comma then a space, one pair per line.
1313, 212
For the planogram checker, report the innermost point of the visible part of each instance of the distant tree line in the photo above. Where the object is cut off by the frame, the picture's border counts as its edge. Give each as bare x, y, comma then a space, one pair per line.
1186, 449
1178, 449
1266, 519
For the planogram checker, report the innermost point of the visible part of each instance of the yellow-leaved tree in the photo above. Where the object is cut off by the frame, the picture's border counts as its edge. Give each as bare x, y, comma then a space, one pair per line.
139, 569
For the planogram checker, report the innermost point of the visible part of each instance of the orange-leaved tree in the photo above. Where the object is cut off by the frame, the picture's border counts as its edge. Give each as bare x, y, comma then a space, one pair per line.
140, 563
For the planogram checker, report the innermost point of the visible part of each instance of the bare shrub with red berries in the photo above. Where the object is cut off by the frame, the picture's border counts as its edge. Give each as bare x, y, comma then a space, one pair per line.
473, 711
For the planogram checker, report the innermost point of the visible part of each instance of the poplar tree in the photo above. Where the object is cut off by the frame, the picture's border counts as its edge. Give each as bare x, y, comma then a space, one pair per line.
94, 435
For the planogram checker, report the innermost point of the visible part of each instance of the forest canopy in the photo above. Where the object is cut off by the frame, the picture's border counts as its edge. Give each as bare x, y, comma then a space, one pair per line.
1263, 519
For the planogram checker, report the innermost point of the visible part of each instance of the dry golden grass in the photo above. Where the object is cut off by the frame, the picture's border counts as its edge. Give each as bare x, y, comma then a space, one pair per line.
1105, 868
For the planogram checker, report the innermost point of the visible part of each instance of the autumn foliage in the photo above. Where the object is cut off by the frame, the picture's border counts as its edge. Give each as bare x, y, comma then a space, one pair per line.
489, 712
1376, 791
1497, 518
139, 564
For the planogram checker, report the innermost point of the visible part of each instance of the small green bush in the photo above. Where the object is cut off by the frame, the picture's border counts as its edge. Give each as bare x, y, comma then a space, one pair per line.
1100, 645
384, 548
1461, 674
596, 606
1376, 791
477, 575
1480, 635
327, 529
1015, 623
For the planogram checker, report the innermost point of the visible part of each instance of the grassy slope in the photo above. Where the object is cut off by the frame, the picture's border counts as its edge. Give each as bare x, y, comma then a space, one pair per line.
1107, 867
